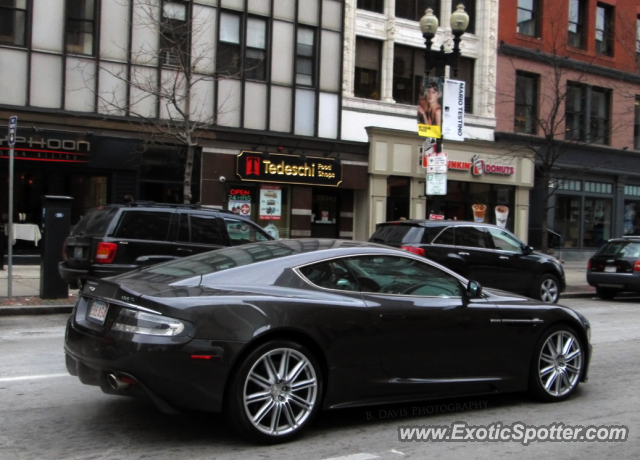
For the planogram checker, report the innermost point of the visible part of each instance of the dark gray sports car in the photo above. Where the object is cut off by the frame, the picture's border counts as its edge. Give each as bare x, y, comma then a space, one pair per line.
270, 333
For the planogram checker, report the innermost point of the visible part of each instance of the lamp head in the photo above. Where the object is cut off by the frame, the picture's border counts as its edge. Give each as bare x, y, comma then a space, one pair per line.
459, 19
429, 23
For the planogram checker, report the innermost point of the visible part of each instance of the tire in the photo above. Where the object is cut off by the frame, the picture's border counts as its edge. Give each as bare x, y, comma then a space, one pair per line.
606, 294
547, 289
275, 392
555, 376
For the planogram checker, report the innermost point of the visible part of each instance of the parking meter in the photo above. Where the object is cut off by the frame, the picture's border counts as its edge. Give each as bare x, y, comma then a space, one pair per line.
56, 223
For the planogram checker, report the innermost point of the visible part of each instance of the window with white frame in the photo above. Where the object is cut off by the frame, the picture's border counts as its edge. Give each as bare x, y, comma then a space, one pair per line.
251, 64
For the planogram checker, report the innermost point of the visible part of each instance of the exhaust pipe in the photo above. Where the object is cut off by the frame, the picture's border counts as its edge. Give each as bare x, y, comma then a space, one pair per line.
117, 383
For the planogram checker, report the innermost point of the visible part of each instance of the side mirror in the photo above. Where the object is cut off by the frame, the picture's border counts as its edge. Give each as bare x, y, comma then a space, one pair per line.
527, 250
474, 290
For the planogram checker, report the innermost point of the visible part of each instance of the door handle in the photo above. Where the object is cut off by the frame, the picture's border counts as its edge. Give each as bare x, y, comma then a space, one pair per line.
186, 251
463, 253
504, 257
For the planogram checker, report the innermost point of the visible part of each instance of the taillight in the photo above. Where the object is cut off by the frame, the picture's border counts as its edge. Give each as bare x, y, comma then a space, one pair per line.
106, 252
413, 250
636, 266
589, 265
64, 251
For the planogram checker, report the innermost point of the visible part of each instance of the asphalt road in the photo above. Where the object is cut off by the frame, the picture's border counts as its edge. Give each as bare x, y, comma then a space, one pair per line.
47, 414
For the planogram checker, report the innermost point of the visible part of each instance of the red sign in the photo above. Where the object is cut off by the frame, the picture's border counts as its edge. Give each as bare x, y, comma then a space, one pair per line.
436, 217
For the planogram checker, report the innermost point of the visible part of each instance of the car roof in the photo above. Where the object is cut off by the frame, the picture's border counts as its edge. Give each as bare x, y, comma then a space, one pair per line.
181, 206
435, 223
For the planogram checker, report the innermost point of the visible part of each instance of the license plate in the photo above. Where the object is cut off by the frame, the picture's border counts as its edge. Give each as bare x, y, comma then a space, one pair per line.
610, 269
77, 253
98, 311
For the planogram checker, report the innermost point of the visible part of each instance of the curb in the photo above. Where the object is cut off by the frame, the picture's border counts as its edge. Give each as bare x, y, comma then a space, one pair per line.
577, 295
33, 310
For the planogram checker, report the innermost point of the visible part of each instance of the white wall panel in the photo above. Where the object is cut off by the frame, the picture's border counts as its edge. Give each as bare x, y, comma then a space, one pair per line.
255, 106
46, 81
284, 9
202, 101
233, 4
113, 89
143, 102
308, 12
144, 40
262, 7
13, 77
229, 92
280, 112
114, 30
402, 158
80, 85
328, 116
206, 2
332, 14
305, 116
48, 25
203, 39
330, 56
282, 54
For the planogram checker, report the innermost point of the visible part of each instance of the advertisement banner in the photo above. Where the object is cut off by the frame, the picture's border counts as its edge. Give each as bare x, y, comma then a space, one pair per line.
430, 107
453, 116
270, 202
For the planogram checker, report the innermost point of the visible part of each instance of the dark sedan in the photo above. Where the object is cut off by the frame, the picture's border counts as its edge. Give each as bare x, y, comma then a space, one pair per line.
270, 333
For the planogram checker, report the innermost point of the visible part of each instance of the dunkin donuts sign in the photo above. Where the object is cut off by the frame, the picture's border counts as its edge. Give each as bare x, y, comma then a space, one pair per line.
477, 166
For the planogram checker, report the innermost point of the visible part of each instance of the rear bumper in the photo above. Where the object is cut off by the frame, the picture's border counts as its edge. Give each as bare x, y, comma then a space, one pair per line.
72, 275
620, 281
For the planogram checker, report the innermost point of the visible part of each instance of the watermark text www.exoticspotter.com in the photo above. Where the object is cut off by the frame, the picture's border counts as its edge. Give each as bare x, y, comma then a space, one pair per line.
516, 432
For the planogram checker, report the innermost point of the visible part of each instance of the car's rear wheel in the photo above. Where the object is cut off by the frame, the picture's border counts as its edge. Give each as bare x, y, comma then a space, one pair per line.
547, 288
275, 392
605, 293
557, 364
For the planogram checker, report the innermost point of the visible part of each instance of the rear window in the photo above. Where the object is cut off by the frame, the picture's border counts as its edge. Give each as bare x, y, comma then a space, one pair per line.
620, 249
397, 234
95, 223
144, 225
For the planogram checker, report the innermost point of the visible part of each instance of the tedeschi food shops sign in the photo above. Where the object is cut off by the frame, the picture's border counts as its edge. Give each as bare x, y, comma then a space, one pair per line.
291, 169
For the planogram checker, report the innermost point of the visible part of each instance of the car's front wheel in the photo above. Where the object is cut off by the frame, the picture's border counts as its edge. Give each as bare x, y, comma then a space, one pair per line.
557, 364
606, 294
547, 288
275, 392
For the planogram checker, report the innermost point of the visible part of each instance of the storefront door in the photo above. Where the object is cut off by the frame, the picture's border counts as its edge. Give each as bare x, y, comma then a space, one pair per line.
324, 214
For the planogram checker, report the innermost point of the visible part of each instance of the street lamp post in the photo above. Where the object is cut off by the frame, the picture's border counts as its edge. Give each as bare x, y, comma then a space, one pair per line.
439, 59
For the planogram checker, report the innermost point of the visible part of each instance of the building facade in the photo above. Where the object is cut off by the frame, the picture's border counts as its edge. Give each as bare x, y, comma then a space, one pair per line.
383, 71
115, 98
569, 89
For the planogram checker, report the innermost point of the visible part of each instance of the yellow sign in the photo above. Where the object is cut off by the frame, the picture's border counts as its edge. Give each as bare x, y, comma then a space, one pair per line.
429, 131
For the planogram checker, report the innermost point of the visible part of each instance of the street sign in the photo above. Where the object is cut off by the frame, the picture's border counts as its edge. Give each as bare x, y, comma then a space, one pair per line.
436, 184
436, 217
437, 163
13, 124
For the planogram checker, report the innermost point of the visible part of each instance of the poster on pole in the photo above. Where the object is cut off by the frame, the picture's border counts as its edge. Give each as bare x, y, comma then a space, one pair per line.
453, 115
430, 108
436, 184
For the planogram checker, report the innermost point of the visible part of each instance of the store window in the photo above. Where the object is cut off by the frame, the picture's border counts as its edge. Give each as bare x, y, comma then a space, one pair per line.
567, 220
325, 212
636, 125
597, 221
480, 202
398, 198
81, 26
13, 22
631, 225
368, 58
267, 205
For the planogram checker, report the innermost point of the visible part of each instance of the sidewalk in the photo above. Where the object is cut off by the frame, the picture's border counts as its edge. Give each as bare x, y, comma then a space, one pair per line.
26, 299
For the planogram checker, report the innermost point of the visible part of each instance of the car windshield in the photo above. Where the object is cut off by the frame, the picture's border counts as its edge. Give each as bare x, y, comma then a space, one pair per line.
397, 234
95, 223
621, 249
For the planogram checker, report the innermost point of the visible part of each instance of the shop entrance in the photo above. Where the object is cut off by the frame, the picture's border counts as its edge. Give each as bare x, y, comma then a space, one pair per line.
324, 214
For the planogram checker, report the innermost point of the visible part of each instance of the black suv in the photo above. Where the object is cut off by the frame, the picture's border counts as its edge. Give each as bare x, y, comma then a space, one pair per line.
480, 252
615, 268
114, 239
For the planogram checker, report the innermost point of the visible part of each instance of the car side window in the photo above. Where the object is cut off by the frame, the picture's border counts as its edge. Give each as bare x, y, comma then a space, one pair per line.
402, 275
144, 225
473, 237
446, 237
243, 232
503, 241
202, 229
331, 274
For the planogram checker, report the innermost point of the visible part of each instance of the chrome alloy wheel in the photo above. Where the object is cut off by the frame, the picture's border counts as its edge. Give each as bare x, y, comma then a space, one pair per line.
560, 363
549, 291
280, 391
